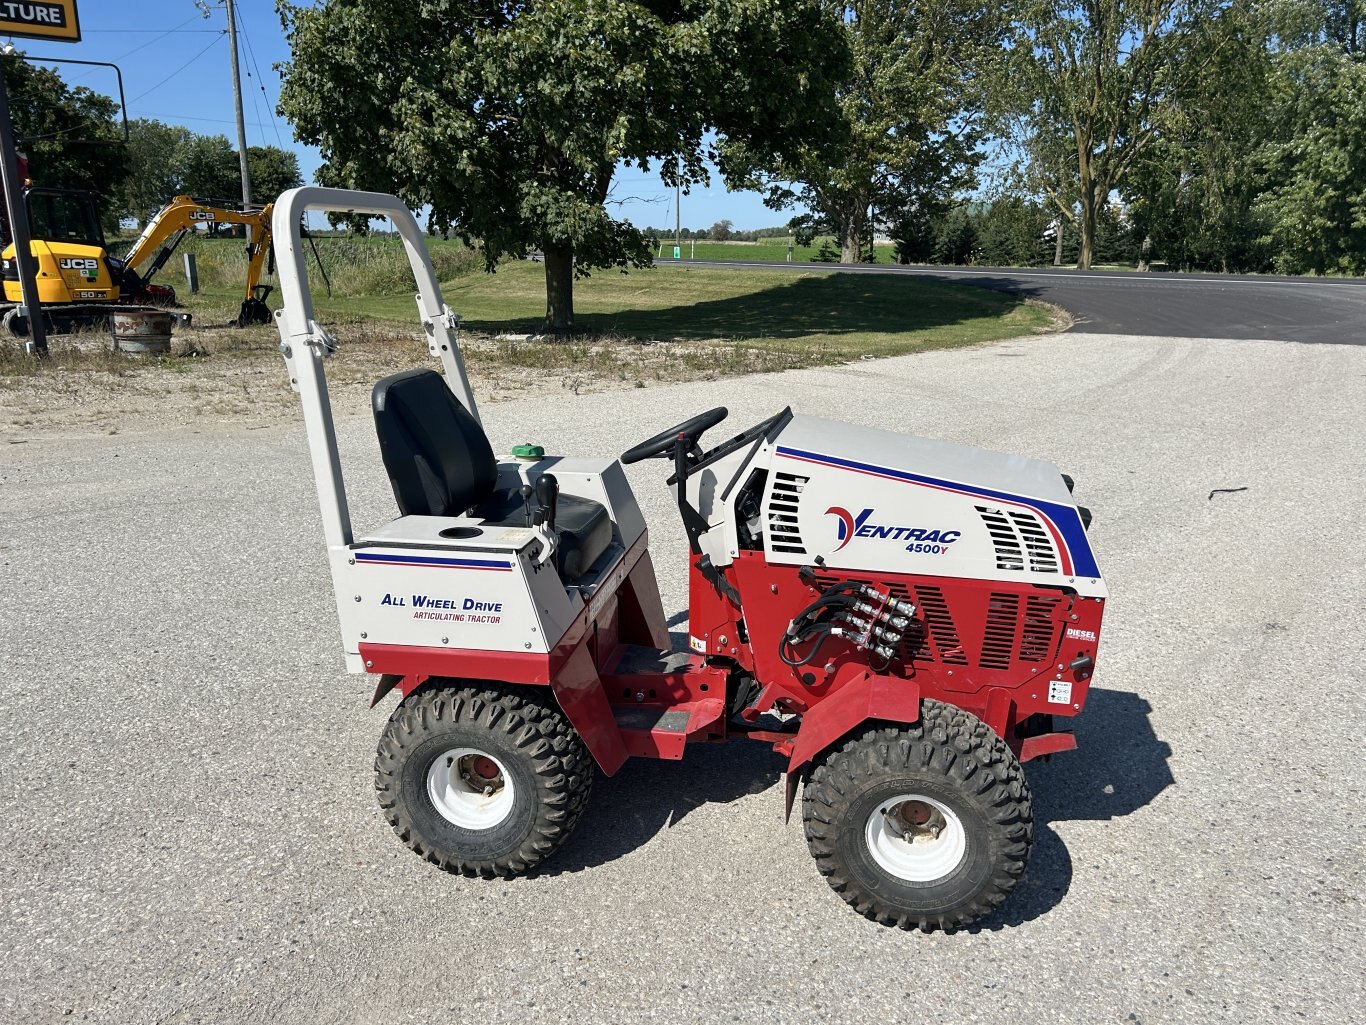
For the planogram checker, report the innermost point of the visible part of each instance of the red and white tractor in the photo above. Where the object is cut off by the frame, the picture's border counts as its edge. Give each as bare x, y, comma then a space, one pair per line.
903, 620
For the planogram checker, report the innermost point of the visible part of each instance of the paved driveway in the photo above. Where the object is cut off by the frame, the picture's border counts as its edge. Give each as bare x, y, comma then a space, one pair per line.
190, 832
1165, 305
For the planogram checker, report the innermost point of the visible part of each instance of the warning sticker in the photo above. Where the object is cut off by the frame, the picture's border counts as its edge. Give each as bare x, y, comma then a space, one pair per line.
1060, 692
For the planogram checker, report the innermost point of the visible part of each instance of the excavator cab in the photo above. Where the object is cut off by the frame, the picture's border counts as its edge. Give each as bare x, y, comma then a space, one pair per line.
68, 245
63, 216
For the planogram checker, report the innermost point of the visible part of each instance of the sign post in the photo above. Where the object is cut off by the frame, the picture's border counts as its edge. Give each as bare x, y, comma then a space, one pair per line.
32, 19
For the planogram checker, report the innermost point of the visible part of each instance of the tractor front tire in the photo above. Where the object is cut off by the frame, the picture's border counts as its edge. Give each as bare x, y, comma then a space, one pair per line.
926, 826
481, 780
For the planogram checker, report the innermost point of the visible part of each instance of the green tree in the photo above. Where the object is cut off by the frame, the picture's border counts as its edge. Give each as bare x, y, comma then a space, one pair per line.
912, 115
1194, 189
209, 168
155, 161
273, 170
955, 237
1011, 233
1093, 83
913, 234
73, 136
509, 121
1314, 206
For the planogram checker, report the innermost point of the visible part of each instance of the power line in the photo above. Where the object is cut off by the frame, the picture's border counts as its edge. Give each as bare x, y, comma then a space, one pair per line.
196, 117
178, 70
161, 35
141, 46
261, 84
254, 106
146, 31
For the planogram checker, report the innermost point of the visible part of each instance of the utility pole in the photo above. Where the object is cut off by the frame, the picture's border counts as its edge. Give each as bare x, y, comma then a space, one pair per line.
19, 230
237, 100
678, 220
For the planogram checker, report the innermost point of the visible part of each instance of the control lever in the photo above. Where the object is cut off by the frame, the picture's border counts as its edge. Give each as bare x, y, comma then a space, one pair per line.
526, 502
548, 494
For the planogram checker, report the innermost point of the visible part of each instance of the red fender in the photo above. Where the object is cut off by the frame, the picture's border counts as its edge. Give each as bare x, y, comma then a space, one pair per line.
866, 696
569, 670
578, 689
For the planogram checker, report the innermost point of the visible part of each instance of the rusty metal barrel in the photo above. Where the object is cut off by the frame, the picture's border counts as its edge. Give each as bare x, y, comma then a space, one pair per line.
145, 331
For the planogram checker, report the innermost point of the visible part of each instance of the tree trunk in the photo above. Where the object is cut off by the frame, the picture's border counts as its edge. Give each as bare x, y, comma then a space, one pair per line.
1090, 209
559, 289
1057, 243
851, 237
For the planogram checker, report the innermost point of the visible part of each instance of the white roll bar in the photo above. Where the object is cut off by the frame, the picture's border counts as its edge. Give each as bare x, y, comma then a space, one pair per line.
304, 343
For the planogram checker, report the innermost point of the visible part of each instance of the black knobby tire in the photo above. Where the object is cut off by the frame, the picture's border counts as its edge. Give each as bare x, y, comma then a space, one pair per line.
547, 766
950, 757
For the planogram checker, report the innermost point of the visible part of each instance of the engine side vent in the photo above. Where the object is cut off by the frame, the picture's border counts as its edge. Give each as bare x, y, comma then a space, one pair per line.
1043, 558
783, 533
1020, 540
998, 639
1009, 555
1039, 638
939, 624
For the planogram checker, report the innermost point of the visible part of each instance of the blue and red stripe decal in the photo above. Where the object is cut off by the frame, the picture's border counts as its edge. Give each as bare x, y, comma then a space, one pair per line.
1063, 520
430, 562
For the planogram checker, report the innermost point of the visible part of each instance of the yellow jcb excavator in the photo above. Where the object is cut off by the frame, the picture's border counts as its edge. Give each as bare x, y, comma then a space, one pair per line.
79, 283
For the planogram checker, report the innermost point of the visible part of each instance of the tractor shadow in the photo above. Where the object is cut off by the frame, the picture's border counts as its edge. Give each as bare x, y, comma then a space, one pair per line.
647, 796
1120, 765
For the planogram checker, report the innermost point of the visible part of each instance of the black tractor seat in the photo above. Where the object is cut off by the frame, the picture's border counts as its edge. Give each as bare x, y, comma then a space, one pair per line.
582, 527
440, 463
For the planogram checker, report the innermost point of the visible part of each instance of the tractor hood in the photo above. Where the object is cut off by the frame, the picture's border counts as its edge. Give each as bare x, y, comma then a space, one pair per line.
877, 501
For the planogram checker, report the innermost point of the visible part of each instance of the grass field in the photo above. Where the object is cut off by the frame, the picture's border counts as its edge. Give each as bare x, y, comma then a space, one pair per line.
770, 250
811, 316
849, 315
671, 323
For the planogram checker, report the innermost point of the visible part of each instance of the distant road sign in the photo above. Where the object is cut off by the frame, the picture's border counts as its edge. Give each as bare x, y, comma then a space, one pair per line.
40, 19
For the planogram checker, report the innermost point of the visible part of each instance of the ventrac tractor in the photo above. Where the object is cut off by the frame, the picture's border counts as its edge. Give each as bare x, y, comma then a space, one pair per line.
904, 621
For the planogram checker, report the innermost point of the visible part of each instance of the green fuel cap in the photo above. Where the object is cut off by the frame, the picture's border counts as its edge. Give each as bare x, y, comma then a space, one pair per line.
528, 451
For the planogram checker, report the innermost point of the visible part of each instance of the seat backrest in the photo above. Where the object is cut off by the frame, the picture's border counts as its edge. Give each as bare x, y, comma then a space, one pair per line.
437, 456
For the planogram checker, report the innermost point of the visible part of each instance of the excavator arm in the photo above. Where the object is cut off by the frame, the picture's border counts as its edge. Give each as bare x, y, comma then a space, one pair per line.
166, 230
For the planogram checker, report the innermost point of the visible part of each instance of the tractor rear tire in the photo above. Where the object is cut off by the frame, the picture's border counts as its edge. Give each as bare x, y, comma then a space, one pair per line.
481, 780
926, 826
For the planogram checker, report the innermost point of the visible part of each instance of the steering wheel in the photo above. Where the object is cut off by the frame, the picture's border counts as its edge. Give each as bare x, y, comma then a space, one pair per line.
687, 432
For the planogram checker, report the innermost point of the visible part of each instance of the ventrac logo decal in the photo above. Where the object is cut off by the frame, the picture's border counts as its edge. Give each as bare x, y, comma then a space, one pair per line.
926, 540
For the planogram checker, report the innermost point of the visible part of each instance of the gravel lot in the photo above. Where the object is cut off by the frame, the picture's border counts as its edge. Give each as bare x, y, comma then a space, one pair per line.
191, 833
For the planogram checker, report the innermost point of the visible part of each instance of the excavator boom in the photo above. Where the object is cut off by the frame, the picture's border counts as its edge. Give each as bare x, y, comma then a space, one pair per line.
182, 214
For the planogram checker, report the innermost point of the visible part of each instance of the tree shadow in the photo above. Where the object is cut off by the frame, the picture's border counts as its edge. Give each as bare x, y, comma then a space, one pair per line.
832, 304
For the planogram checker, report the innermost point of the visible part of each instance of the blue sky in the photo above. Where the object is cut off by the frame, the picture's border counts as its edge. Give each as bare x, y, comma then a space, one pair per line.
175, 67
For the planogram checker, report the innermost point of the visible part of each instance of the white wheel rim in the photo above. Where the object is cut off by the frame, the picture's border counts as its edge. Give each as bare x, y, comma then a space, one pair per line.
462, 792
915, 838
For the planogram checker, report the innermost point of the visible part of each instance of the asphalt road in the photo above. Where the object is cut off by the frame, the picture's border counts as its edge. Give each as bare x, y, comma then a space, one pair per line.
1167, 305
190, 830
